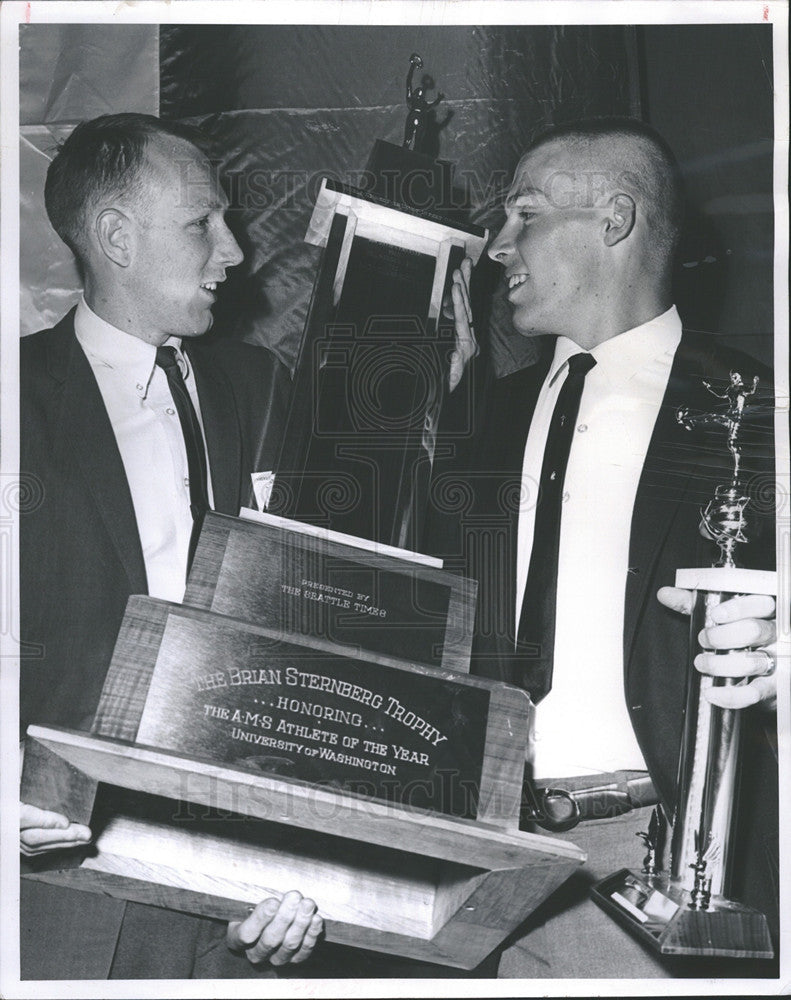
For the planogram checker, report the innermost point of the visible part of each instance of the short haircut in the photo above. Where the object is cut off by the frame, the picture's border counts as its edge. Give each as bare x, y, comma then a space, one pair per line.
644, 160
103, 158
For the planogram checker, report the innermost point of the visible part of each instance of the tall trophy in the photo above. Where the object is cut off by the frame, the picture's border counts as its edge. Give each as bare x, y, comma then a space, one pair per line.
364, 428
686, 911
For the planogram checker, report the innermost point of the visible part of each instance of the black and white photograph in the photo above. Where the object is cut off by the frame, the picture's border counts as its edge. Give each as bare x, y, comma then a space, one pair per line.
394, 499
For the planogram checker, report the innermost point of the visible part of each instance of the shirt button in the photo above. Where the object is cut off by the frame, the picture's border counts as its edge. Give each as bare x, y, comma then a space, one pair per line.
582, 428
170, 411
566, 497
186, 481
553, 476
139, 386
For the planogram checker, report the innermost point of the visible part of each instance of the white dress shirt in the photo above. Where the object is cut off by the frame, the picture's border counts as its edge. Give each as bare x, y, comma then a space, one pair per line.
582, 726
148, 433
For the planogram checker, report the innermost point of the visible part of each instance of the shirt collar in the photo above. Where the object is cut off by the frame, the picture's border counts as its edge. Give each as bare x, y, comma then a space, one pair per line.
132, 358
622, 356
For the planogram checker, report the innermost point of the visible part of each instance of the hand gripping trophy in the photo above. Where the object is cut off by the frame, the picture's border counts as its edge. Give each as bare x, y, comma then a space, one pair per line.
686, 911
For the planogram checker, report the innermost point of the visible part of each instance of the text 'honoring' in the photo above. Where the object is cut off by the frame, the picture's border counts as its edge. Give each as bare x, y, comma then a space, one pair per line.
318, 716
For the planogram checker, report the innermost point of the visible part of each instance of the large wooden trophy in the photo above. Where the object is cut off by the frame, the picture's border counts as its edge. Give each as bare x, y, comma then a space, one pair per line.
305, 719
362, 432
686, 911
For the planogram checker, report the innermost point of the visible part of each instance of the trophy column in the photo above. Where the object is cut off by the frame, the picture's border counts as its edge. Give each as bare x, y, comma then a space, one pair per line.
687, 911
708, 767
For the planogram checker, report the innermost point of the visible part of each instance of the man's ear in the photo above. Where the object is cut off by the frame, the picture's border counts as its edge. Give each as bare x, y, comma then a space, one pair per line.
621, 212
113, 232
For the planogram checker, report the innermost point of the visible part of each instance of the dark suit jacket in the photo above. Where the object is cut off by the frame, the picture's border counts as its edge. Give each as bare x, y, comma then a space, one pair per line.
474, 527
80, 559
80, 553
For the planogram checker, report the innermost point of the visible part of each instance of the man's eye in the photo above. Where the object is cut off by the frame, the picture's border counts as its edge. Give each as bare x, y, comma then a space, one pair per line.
201, 223
526, 215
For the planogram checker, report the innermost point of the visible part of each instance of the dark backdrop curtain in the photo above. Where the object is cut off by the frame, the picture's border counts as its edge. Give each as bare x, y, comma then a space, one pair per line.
289, 103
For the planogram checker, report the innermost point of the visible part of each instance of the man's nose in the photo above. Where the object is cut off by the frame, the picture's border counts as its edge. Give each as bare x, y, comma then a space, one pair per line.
500, 246
228, 250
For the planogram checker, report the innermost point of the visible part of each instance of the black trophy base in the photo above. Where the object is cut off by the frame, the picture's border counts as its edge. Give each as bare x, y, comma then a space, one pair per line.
414, 182
658, 912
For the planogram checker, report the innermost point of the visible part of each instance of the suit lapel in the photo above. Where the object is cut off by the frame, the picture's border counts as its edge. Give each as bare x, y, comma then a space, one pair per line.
666, 483
85, 431
218, 412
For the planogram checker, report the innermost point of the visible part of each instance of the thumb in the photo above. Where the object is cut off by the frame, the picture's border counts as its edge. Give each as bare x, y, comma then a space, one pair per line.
31, 817
676, 599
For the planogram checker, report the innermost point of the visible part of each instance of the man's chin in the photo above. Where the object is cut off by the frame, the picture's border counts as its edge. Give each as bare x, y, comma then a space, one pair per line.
200, 326
527, 329
530, 326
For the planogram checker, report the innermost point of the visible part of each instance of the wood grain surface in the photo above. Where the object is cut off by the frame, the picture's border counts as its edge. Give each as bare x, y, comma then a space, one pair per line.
239, 564
302, 805
460, 888
146, 638
50, 782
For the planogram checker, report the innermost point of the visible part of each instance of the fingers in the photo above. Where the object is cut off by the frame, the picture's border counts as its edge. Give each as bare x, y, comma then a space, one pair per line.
738, 663
32, 816
461, 284
732, 610
288, 928
466, 346
676, 599
743, 606
763, 691
308, 942
756, 666
244, 935
41, 830
738, 634
736, 625
281, 931
35, 842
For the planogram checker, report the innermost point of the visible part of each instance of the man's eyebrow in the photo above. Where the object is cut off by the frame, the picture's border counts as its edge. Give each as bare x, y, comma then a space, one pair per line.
205, 205
521, 193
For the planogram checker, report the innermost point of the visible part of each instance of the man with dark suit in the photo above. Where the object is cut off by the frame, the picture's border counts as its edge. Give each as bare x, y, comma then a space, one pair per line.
130, 429
571, 543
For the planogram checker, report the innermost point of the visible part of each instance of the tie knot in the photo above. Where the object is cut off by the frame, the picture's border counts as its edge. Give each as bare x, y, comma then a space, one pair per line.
581, 364
167, 361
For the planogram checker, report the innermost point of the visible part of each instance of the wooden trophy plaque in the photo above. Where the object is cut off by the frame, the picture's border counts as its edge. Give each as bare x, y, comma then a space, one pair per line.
230, 761
362, 431
300, 579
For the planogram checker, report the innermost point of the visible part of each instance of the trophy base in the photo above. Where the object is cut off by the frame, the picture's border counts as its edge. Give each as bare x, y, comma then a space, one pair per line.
658, 912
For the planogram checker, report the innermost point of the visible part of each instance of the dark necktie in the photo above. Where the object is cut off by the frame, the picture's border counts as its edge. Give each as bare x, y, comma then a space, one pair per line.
535, 637
193, 441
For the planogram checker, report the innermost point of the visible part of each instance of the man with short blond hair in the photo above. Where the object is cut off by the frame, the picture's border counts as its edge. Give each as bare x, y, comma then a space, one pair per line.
609, 486
133, 427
